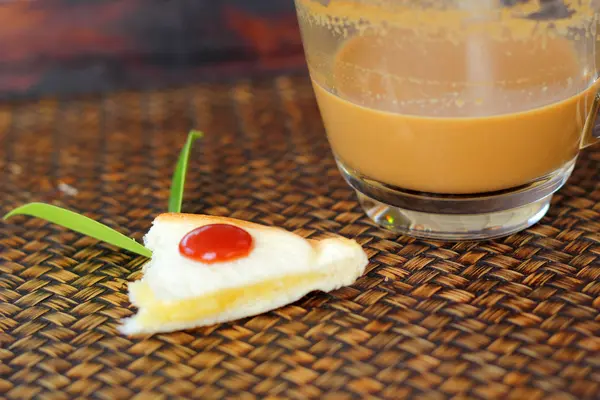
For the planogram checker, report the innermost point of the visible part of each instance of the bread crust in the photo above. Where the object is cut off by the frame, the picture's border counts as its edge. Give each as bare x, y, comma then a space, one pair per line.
215, 219
200, 218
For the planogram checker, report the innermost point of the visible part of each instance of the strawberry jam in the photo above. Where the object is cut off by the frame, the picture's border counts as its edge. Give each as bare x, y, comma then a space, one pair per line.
216, 243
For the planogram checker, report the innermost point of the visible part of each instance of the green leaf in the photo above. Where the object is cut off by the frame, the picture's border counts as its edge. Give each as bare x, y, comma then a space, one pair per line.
81, 224
178, 181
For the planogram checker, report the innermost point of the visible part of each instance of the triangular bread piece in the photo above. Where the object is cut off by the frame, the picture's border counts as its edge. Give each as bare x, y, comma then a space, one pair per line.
177, 292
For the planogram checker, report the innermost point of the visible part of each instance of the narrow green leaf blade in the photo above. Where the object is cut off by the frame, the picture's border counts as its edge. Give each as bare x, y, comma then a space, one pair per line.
178, 181
81, 224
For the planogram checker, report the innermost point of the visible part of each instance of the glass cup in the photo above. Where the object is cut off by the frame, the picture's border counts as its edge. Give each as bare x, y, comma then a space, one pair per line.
454, 119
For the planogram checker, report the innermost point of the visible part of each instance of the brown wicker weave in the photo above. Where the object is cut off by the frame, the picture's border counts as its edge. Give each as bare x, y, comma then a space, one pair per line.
514, 318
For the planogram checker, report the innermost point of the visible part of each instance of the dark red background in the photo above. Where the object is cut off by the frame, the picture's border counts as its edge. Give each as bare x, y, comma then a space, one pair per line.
82, 46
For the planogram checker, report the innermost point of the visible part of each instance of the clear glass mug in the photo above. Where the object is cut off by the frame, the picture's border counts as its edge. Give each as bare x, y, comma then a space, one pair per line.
454, 119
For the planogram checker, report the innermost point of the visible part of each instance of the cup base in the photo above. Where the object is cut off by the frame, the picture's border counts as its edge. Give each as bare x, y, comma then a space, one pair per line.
452, 227
456, 217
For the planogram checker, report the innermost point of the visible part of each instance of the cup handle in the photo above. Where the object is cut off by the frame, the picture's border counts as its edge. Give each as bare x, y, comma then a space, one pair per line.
591, 129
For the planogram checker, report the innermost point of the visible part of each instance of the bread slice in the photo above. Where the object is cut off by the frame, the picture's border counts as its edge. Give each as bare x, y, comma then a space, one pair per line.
178, 293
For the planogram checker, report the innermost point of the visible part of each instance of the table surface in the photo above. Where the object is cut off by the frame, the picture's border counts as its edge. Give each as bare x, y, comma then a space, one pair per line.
511, 318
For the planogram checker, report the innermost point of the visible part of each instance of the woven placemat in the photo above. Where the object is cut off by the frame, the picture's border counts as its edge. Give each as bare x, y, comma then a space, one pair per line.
512, 318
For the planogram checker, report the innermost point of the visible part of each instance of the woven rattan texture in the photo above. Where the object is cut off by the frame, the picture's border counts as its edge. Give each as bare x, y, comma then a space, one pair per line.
513, 318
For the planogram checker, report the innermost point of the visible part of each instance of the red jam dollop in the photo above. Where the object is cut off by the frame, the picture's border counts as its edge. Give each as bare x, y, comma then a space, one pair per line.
216, 243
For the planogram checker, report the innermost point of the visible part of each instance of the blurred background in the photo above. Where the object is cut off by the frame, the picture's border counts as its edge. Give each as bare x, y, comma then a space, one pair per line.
55, 47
